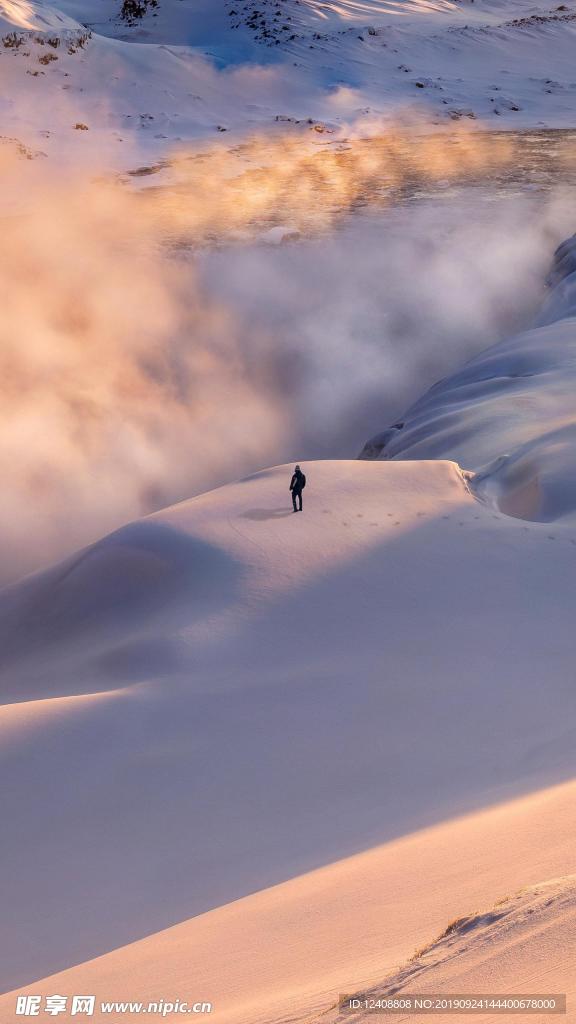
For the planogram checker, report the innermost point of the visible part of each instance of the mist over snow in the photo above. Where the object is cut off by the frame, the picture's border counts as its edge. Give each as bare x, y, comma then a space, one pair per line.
137, 374
256, 757
508, 416
358, 325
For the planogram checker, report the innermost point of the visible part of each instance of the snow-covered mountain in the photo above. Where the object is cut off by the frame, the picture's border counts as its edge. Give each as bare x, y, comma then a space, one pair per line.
254, 757
195, 68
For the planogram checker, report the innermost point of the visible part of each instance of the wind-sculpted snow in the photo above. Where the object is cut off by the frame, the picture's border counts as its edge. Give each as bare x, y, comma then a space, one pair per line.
509, 417
227, 695
140, 580
493, 951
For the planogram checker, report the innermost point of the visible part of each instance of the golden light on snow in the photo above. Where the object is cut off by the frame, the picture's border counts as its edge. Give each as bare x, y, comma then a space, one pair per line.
348, 10
20, 13
114, 378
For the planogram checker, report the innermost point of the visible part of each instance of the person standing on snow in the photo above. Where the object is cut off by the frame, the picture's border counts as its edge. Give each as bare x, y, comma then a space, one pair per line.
297, 485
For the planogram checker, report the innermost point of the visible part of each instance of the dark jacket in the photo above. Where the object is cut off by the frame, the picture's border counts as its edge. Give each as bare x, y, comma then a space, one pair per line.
298, 482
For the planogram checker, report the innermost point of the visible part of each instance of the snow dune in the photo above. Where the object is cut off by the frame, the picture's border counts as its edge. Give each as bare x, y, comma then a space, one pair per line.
227, 695
510, 415
287, 952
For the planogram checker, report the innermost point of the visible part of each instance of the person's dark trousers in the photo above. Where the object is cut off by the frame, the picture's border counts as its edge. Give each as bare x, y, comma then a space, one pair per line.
297, 494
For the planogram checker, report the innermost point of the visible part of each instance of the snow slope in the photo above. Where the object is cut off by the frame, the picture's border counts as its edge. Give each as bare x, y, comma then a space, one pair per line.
287, 952
194, 68
509, 415
497, 951
246, 720
226, 695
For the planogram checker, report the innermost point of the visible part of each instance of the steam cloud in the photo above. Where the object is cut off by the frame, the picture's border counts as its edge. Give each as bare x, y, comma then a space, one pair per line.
133, 374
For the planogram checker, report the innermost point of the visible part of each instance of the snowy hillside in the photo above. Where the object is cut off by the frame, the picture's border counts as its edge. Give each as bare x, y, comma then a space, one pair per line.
196, 68
255, 757
509, 415
227, 695
290, 950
